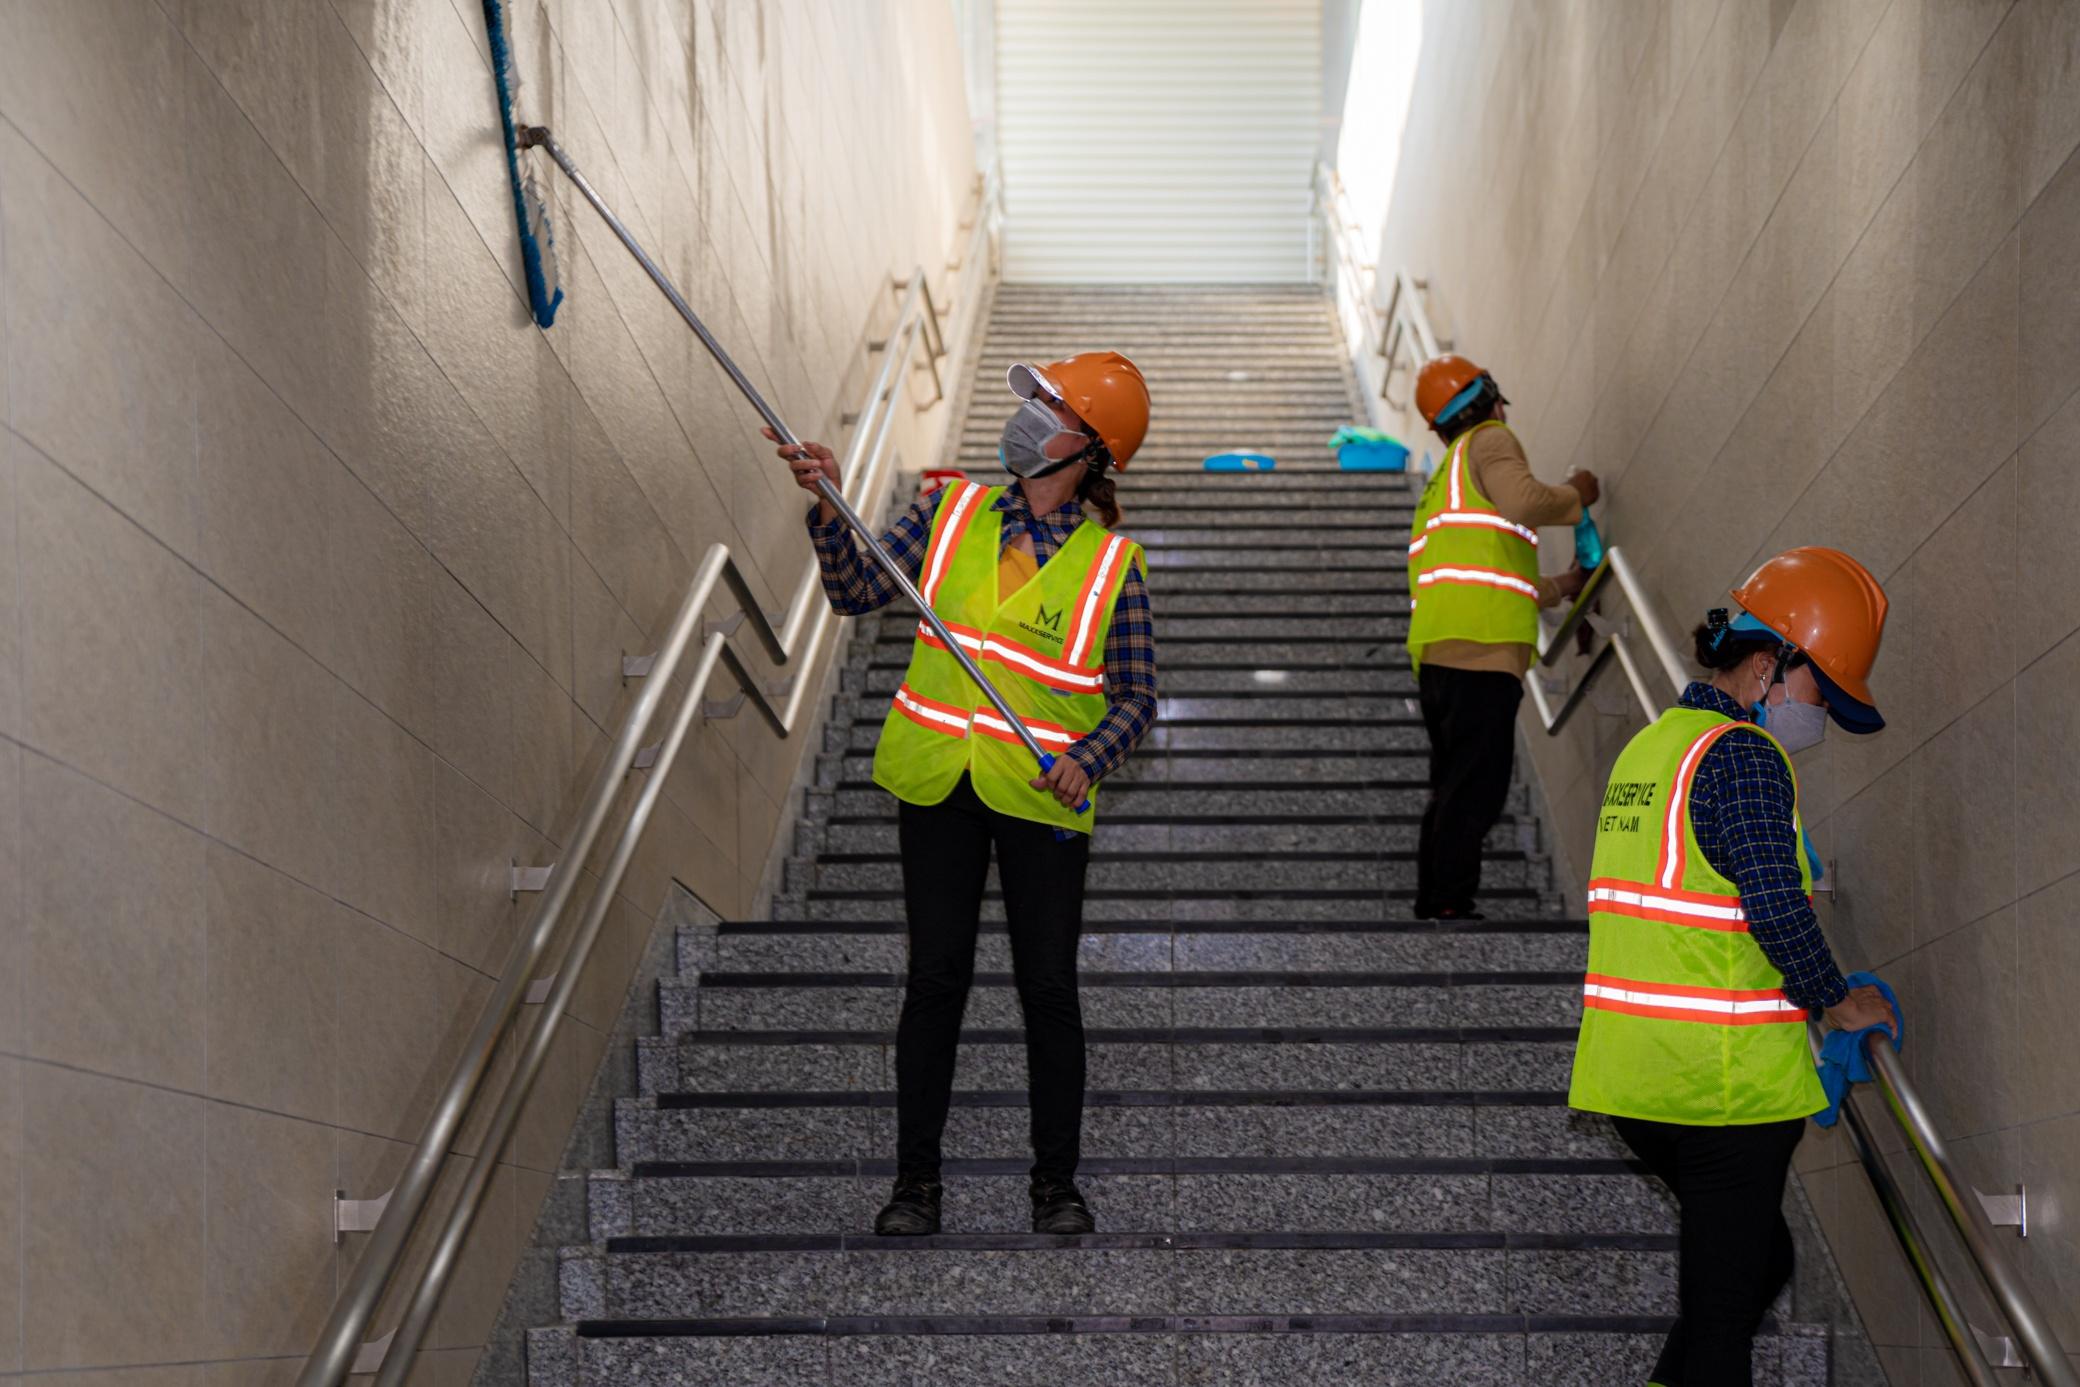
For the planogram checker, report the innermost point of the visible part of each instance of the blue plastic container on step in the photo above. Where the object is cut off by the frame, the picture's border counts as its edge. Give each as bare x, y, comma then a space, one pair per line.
1361, 449
1241, 462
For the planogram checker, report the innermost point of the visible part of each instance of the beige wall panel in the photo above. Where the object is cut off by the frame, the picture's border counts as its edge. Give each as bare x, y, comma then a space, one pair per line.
317, 563
112, 901
113, 1247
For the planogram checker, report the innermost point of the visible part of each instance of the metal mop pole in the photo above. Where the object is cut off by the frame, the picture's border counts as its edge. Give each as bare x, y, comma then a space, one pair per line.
539, 135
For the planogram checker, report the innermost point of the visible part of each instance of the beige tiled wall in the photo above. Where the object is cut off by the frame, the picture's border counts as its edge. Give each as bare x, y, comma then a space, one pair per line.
1808, 271
317, 561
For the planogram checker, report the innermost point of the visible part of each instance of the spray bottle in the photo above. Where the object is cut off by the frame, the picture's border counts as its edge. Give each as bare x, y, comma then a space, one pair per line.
1588, 544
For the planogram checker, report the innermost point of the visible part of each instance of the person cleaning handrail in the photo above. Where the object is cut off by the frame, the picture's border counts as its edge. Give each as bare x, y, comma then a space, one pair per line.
1704, 953
1475, 593
1032, 581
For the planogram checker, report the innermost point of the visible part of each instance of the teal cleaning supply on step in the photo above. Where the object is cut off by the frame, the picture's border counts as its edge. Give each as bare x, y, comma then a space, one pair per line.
1240, 462
1362, 449
537, 240
1588, 544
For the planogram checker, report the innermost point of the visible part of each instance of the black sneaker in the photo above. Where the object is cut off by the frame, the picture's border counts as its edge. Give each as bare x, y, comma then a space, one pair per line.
1058, 1207
912, 1209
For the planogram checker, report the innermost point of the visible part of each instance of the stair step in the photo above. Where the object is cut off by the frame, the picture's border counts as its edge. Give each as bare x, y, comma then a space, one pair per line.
1193, 904
1159, 1351
1120, 950
1213, 1123
1239, 1274
1262, 873
1176, 1205
1224, 1057
1394, 1195
1229, 738
1182, 801
1318, 833
760, 1001
880, 681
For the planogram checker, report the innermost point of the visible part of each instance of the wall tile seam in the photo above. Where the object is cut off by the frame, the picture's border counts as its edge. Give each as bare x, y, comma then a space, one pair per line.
338, 1129
575, 392
579, 89
1878, 206
1849, 434
1582, 219
337, 678
706, 471
315, 436
1689, 221
210, 840
340, 243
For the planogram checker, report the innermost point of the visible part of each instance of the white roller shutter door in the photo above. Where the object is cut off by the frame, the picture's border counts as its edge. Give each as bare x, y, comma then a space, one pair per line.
1157, 140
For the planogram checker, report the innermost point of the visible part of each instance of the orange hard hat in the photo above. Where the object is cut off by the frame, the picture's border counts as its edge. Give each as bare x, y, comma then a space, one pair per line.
1442, 381
1106, 390
1829, 607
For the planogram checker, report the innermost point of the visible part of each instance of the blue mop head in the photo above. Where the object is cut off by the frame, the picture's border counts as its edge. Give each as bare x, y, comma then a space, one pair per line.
537, 241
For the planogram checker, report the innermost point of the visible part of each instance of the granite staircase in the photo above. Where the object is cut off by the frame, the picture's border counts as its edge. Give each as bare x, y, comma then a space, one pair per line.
1325, 1143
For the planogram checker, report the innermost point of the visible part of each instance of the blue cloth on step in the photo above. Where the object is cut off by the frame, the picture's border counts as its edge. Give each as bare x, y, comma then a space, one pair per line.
1842, 1060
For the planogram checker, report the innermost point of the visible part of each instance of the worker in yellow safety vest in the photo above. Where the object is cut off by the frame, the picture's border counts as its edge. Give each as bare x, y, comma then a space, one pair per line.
1036, 586
1475, 590
1705, 958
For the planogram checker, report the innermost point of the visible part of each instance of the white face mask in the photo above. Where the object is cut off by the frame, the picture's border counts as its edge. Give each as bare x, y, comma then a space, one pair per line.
1796, 726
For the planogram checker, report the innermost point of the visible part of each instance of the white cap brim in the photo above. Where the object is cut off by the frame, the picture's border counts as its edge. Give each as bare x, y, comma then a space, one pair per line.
1031, 383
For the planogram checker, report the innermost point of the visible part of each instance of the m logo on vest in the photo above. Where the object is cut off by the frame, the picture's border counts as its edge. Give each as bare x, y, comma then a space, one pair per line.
1051, 620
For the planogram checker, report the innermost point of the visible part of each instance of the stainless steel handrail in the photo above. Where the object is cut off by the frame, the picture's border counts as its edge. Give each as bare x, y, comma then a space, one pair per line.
1615, 568
1409, 322
1359, 272
1906, 1229
1402, 321
2040, 1345
865, 467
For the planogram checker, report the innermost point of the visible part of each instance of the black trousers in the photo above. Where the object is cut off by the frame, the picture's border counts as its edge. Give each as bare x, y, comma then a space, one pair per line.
1471, 715
946, 849
1735, 1248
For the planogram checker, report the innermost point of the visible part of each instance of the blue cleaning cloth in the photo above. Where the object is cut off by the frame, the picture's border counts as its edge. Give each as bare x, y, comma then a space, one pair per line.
1361, 433
1842, 1061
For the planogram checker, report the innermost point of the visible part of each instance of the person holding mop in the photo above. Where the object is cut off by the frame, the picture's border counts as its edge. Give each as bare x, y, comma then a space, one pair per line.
1035, 587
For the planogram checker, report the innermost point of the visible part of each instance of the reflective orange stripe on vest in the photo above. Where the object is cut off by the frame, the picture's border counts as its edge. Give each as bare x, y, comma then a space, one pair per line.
1713, 1005
1698, 909
965, 498
1673, 839
1086, 620
956, 722
1468, 576
1458, 513
931, 714
1025, 659
1051, 735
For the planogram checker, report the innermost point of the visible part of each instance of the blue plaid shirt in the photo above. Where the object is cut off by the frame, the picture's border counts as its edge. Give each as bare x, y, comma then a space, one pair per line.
1741, 806
855, 587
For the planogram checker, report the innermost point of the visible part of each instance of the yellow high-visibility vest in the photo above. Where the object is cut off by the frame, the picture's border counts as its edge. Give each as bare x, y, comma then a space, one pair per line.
1472, 571
1043, 646
1684, 1018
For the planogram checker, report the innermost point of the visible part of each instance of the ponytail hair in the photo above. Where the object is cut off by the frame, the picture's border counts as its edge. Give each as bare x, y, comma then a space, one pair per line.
1099, 495
1721, 647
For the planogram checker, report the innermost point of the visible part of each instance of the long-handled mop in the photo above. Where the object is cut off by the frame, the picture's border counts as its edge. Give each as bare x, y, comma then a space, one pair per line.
539, 137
